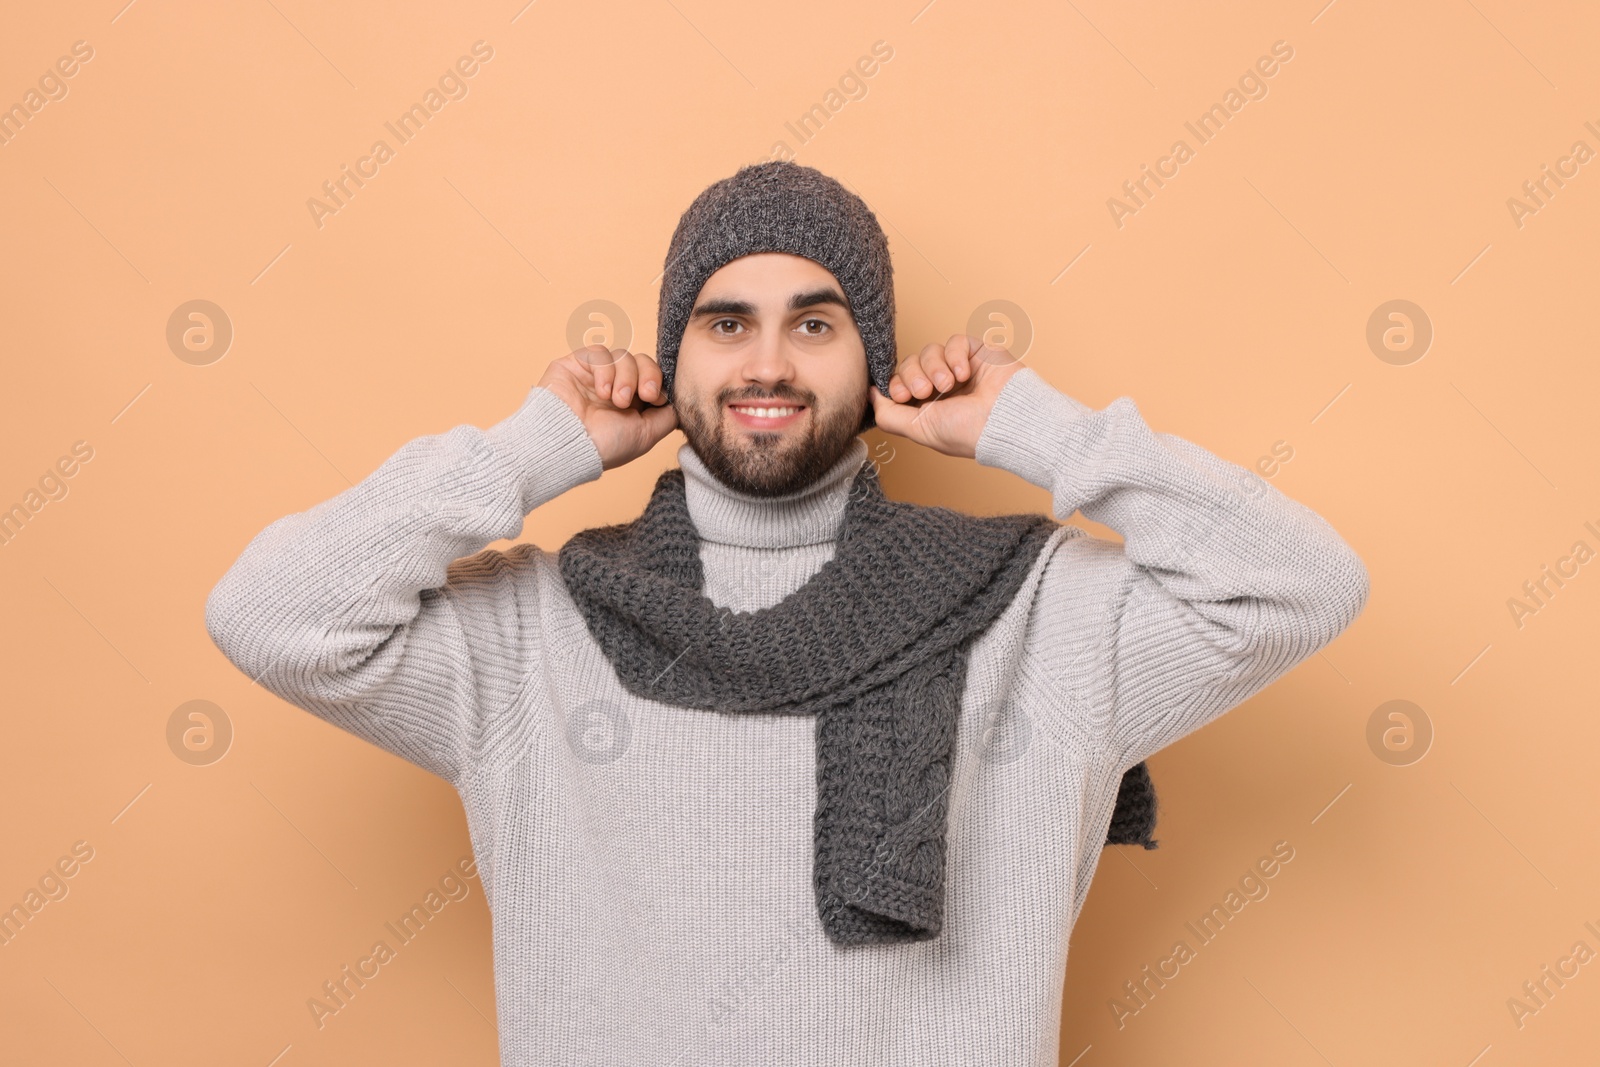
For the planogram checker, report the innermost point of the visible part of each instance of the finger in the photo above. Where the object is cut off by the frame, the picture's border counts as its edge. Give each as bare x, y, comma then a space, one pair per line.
994, 355
651, 380
900, 380
916, 374
601, 365
959, 354
898, 389
659, 421
626, 379
936, 365
892, 417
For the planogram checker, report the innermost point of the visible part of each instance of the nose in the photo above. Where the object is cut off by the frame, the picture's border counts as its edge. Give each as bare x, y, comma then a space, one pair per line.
770, 364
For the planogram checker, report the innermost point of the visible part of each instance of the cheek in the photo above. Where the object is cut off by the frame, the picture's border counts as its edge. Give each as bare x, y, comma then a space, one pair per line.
693, 407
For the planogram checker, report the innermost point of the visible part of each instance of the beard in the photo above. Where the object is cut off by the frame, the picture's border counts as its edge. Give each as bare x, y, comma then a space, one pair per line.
770, 463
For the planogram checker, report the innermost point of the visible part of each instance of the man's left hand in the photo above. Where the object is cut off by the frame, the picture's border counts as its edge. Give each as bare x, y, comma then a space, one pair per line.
942, 396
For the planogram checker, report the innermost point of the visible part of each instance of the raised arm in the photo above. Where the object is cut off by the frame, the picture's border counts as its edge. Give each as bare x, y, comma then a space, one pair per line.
362, 610
1221, 585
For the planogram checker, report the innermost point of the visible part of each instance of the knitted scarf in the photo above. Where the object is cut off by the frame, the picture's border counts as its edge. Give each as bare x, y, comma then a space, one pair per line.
875, 645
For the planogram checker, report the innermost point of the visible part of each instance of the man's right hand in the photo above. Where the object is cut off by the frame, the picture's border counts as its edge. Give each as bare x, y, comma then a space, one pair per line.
619, 398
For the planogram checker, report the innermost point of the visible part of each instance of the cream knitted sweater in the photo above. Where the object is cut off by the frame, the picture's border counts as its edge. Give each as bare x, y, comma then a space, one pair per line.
648, 867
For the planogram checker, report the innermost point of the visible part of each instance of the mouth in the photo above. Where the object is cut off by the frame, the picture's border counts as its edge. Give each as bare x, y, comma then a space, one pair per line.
767, 415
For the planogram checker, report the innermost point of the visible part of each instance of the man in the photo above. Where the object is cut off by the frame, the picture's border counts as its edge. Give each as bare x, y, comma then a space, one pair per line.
784, 771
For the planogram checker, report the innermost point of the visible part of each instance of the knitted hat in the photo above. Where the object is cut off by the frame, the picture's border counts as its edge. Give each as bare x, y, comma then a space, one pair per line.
781, 206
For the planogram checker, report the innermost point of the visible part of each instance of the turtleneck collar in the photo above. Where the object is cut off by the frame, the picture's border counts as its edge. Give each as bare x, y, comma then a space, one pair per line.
807, 516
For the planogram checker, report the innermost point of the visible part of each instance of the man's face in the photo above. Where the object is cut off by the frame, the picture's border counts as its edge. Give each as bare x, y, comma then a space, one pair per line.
771, 330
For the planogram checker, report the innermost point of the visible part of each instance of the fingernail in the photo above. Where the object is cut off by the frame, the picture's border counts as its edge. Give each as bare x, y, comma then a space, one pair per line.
622, 394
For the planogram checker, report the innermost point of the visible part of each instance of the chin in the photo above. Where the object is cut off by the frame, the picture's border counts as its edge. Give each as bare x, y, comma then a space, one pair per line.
775, 462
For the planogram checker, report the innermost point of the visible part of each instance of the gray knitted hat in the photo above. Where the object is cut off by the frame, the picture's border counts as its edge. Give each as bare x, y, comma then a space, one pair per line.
781, 206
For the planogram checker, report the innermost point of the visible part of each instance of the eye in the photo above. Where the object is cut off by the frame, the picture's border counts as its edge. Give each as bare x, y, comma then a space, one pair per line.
719, 322
818, 322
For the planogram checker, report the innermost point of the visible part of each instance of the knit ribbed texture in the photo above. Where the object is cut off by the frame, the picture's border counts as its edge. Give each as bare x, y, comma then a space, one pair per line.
647, 866
874, 646
782, 206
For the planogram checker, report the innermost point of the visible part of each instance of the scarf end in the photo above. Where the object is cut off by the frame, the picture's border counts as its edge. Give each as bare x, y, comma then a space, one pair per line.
879, 909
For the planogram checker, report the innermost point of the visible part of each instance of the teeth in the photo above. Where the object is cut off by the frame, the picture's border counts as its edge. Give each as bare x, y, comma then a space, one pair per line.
769, 413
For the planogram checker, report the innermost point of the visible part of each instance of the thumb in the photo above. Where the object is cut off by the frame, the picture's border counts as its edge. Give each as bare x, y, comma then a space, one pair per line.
890, 415
660, 420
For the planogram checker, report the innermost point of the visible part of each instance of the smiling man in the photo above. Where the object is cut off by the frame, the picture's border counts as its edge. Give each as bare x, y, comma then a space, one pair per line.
784, 771
772, 374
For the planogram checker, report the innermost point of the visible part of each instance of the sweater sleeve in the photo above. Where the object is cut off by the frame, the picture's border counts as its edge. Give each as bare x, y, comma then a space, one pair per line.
363, 611
1221, 584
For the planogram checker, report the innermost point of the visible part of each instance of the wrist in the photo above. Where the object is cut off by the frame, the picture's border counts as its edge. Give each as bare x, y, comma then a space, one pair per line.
1027, 428
546, 446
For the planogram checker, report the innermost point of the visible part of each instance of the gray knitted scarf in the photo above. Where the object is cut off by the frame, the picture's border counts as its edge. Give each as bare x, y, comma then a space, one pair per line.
875, 645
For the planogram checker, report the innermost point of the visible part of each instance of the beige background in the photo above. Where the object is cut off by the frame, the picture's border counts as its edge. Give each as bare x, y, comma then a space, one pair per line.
1232, 305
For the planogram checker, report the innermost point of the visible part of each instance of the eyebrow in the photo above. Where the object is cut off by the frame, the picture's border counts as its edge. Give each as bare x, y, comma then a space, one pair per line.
804, 299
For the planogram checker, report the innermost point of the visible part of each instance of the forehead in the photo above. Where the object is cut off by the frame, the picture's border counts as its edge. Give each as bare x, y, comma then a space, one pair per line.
769, 275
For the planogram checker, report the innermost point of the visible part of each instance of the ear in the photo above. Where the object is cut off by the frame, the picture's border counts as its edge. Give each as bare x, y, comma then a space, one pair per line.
868, 418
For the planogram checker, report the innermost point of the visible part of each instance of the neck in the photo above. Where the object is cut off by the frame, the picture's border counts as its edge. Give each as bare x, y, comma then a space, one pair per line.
807, 516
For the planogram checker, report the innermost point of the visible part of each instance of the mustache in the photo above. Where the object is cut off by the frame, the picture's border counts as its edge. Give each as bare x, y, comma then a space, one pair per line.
788, 395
